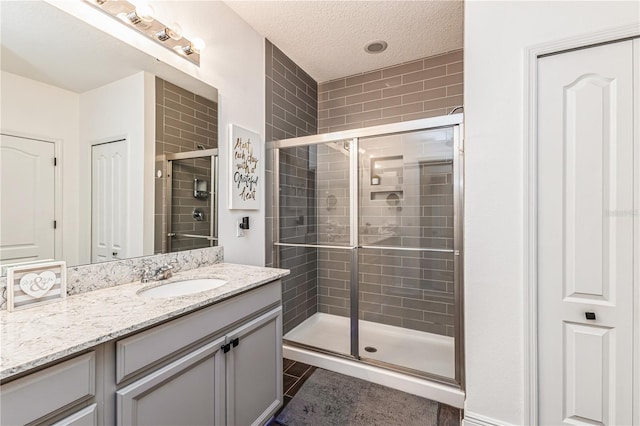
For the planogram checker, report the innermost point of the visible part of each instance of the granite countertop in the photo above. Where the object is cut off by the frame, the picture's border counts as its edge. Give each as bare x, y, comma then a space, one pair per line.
36, 336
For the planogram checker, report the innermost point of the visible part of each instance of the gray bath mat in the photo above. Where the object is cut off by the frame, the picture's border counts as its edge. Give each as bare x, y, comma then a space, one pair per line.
332, 399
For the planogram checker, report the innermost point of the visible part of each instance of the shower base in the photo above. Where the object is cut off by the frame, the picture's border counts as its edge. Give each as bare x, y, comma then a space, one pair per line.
425, 352
417, 350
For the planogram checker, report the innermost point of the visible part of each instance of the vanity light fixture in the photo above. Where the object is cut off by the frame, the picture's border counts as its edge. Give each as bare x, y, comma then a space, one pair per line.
141, 18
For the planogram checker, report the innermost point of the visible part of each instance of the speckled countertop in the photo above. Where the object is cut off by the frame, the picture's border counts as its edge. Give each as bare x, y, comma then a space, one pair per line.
39, 335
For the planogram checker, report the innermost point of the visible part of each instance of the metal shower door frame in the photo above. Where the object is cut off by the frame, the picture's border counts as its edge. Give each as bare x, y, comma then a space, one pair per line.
454, 121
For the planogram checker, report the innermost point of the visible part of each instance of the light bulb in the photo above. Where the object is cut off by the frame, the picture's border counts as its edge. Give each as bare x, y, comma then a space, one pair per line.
197, 44
145, 12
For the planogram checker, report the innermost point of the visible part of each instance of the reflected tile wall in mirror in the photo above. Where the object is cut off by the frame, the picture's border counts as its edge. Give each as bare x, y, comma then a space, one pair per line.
185, 122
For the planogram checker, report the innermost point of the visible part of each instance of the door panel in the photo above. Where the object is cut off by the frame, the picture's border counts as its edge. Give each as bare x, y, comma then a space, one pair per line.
588, 357
585, 235
592, 165
27, 188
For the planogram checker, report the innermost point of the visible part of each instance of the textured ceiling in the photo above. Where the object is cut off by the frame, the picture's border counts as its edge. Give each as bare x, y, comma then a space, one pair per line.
327, 38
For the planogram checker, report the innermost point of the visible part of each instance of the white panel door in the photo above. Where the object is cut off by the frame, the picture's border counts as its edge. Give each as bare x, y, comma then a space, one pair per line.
586, 236
27, 200
109, 201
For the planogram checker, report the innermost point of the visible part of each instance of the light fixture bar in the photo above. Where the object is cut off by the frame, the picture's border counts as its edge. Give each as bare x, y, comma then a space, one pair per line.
141, 19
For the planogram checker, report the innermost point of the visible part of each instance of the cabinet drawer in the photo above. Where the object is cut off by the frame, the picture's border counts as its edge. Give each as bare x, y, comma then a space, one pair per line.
44, 392
135, 353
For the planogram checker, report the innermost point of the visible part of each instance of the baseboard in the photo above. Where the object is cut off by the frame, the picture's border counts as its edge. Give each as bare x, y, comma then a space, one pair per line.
474, 419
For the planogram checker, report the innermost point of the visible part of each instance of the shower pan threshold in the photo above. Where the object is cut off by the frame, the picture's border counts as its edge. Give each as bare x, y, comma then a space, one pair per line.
413, 349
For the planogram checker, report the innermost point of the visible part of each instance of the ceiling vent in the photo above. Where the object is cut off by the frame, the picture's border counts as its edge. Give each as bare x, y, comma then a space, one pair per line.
377, 46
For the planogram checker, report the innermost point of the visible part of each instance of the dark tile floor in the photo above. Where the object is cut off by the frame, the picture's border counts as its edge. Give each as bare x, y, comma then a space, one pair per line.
296, 373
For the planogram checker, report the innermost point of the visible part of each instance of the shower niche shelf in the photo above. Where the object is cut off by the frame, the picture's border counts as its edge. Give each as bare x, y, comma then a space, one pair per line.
392, 197
386, 171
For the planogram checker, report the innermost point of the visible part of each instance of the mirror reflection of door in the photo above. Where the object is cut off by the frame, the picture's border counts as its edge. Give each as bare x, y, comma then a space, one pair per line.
109, 201
27, 199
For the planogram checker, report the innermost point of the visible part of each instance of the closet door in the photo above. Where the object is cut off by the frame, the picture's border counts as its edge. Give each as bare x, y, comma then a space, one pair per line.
109, 201
586, 235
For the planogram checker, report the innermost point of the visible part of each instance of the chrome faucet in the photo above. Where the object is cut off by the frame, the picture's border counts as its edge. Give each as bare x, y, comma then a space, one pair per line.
144, 275
163, 272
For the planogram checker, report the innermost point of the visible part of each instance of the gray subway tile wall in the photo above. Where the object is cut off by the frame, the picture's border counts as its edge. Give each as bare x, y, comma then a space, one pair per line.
291, 111
413, 290
423, 88
185, 122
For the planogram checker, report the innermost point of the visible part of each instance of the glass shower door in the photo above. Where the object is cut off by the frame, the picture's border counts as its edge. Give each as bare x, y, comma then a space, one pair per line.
315, 242
371, 231
407, 260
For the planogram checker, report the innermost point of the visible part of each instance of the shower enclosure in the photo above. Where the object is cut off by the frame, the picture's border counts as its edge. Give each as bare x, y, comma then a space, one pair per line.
369, 223
190, 200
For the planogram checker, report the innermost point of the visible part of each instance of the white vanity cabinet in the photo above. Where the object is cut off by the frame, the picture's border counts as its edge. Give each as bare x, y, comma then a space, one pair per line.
219, 366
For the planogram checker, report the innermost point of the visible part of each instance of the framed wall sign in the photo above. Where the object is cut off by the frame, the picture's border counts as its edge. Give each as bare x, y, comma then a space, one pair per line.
34, 285
245, 150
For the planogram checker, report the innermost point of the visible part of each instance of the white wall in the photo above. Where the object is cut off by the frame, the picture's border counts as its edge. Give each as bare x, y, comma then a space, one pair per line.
496, 35
33, 109
121, 110
233, 62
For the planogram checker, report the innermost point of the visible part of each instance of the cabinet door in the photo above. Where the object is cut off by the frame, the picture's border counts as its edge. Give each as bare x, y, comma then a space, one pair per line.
189, 391
254, 370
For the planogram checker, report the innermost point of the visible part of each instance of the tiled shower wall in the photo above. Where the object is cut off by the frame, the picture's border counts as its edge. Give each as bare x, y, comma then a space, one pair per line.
424, 88
413, 290
184, 122
291, 110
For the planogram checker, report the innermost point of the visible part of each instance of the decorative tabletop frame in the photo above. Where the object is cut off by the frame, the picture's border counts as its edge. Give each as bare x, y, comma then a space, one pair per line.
36, 284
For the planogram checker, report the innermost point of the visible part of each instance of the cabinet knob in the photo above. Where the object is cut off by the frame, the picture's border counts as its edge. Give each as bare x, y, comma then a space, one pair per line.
590, 315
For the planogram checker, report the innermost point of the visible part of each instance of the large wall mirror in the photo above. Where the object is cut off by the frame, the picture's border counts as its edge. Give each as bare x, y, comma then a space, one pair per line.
106, 153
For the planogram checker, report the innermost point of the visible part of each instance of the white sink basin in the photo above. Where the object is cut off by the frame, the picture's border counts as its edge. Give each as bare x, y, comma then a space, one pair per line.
182, 288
